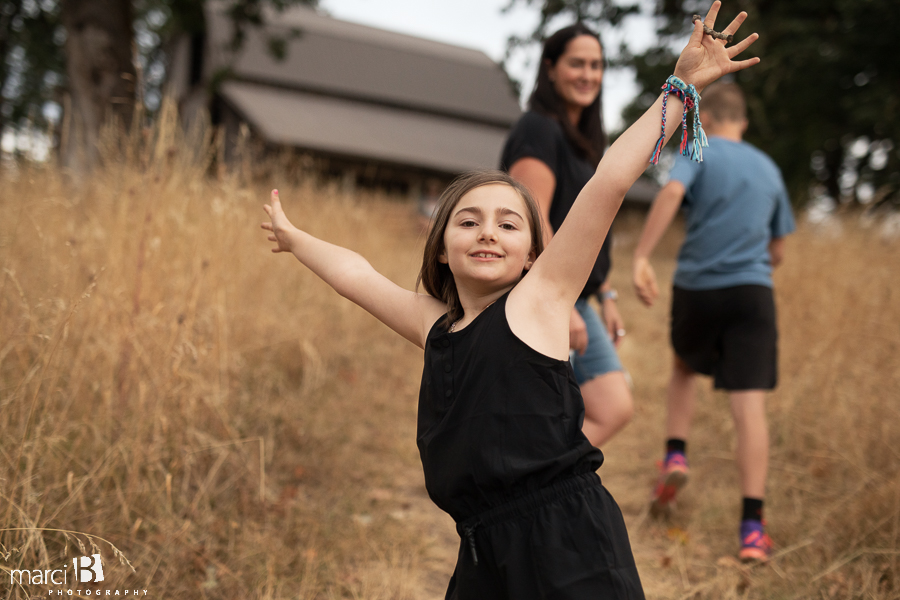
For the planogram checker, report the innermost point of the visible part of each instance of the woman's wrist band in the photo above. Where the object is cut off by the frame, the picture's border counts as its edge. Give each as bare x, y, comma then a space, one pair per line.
691, 100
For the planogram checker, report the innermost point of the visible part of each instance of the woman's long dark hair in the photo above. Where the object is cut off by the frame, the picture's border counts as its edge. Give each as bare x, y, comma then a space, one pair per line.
589, 137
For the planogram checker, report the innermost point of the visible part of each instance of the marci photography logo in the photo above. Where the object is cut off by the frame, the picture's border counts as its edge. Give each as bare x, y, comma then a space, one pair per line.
90, 569
79, 576
87, 569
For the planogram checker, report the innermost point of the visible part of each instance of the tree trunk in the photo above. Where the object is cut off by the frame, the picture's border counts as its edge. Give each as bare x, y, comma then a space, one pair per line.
101, 73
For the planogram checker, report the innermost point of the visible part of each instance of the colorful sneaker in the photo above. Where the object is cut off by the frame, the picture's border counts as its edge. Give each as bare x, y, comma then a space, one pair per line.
756, 545
673, 474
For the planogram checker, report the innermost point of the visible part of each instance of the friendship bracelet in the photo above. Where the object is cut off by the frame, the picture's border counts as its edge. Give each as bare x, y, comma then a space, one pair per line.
688, 95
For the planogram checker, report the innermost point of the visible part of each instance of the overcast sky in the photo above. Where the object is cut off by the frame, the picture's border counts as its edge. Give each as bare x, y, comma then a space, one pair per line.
480, 24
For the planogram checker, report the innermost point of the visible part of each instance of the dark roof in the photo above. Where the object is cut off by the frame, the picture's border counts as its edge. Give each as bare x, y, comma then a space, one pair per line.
359, 129
341, 59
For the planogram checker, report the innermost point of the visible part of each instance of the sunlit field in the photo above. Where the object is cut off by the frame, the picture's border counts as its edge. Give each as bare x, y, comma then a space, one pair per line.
190, 405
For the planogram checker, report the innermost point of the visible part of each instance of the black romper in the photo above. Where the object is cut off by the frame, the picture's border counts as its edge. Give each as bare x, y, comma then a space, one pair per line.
499, 434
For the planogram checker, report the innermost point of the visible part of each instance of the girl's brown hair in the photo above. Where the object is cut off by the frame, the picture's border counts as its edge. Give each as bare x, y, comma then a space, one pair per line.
434, 275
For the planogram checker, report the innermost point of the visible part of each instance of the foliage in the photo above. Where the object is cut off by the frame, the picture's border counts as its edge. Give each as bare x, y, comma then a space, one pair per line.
31, 59
593, 11
823, 100
33, 80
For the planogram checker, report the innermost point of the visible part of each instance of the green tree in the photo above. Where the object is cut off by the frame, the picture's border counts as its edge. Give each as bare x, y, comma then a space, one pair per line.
823, 101
31, 60
79, 56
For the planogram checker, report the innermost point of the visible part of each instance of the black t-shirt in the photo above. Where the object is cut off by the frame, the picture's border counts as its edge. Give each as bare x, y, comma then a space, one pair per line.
541, 137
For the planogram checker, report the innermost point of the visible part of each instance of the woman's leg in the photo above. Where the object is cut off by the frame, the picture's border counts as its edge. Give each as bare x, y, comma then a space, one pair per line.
608, 406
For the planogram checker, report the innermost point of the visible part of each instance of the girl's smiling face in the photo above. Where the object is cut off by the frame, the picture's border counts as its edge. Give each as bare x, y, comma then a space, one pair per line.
487, 242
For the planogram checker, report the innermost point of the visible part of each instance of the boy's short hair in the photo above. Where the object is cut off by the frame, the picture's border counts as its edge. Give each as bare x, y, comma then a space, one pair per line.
724, 101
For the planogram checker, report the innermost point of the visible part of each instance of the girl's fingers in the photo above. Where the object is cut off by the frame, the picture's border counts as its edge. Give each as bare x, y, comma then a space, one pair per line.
735, 24
710, 19
697, 36
742, 45
743, 64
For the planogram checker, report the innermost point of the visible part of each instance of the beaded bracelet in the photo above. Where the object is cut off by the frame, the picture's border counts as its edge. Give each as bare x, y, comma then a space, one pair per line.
691, 99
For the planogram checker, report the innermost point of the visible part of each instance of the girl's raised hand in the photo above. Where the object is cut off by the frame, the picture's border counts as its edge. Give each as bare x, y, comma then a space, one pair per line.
705, 58
280, 226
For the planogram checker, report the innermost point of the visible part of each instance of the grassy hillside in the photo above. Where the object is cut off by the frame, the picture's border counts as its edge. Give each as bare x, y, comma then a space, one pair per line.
171, 389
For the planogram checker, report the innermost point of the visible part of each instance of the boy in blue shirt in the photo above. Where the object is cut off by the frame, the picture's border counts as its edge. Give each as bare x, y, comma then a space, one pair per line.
723, 310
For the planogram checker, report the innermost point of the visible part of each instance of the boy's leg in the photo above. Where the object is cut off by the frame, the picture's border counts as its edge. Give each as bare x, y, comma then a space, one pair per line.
680, 404
696, 325
749, 411
681, 400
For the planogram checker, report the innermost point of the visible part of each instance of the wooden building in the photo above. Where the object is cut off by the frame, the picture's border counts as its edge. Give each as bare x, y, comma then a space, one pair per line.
374, 106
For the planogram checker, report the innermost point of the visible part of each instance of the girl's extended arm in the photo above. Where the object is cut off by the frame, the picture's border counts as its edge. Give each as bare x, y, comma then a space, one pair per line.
576, 244
406, 312
559, 274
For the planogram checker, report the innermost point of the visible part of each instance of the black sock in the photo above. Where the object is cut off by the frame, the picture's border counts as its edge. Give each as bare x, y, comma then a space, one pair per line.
753, 509
675, 445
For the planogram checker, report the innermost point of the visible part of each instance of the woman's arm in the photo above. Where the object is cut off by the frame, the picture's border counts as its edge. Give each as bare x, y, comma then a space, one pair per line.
545, 295
406, 312
541, 182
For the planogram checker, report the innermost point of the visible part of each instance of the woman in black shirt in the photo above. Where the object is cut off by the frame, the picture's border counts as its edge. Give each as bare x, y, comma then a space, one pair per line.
553, 150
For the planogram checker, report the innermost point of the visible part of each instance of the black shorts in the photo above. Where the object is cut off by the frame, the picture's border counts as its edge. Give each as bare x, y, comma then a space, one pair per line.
729, 333
563, 542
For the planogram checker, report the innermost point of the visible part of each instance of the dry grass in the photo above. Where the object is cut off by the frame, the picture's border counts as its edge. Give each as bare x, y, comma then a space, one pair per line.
237, 430
834, 486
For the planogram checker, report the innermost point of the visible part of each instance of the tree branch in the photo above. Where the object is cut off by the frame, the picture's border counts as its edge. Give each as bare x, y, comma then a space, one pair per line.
712, 33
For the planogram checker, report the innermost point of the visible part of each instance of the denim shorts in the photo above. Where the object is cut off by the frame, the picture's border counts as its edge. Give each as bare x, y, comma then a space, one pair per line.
600, 356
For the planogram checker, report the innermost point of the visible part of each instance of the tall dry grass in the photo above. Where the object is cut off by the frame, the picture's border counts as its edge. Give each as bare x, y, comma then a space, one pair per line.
211, 410
833, 502
237, 430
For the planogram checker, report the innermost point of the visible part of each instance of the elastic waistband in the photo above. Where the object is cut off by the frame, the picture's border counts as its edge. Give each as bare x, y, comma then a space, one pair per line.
520, 506
529, 502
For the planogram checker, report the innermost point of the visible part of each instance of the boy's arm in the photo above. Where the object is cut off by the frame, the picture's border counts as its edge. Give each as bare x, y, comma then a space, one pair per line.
664, 209
406, 312
776, 251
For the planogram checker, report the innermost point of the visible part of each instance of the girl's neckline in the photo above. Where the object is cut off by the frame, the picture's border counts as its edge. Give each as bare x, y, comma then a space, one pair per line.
452, 329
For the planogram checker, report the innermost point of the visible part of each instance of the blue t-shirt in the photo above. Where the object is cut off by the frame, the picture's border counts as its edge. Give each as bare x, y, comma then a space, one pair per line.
735, 204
